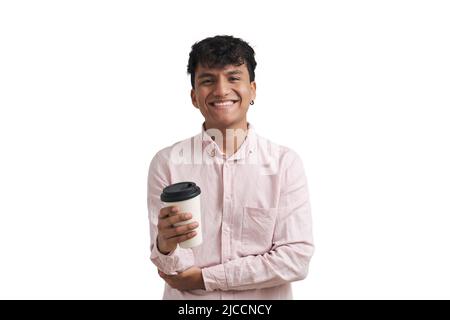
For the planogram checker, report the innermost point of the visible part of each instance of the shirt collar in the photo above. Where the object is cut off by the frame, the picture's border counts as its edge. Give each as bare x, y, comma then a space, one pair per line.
212, 149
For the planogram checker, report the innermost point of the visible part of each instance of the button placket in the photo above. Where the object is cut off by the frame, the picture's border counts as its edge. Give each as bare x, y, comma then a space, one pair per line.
226, 232
225, 214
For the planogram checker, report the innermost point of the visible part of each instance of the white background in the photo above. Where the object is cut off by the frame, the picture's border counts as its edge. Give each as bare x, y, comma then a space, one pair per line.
91, 90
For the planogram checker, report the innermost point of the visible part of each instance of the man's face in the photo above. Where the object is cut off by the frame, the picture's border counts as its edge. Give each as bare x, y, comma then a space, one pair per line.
223, 95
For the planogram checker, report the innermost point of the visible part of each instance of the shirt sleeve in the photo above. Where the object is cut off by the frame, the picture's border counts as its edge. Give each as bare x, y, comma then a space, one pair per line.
180, 259
288, 259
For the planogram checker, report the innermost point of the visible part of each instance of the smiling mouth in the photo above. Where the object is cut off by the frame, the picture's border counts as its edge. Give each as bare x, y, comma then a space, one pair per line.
223, 104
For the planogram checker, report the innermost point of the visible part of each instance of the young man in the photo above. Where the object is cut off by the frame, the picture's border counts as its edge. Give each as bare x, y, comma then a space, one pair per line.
256, 220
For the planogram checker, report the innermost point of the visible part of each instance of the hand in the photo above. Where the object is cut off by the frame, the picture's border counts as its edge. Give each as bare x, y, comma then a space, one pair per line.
169, 235
189, 279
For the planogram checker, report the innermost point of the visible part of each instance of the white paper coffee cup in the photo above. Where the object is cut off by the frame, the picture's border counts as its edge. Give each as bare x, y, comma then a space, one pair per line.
186, 196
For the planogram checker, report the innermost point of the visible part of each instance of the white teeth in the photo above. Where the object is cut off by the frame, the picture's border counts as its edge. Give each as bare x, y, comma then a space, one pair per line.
223, 104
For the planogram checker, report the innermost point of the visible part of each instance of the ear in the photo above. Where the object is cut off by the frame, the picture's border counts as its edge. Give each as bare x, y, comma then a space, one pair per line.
253, 89
194, 98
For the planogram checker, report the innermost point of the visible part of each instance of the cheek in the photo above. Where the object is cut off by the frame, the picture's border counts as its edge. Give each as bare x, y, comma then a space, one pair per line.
245, 93
201, 96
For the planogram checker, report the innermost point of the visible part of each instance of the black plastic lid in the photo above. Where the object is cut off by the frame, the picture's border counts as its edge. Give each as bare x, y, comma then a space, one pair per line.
180, 191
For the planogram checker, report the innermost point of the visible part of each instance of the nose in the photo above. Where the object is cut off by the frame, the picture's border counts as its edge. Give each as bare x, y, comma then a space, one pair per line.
221, 88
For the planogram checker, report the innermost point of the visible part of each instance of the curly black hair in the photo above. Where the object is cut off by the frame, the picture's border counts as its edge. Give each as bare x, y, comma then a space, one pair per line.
219, 51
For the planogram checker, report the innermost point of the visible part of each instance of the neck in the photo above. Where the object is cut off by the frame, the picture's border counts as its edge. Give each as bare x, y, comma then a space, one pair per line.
229, 139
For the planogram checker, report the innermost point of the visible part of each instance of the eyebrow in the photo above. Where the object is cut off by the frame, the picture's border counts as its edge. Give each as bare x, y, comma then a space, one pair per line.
207, 74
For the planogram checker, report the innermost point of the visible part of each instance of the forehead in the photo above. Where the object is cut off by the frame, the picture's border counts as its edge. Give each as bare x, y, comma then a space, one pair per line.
203, 71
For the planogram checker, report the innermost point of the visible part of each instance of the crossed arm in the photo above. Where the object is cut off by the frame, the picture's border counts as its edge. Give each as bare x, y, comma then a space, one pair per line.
287, 261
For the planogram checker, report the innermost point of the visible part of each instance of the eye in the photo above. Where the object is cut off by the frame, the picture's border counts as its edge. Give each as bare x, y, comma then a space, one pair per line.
205, 81
234, 79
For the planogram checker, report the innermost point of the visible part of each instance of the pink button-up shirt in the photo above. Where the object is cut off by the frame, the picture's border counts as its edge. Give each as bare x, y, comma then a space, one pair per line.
256, 217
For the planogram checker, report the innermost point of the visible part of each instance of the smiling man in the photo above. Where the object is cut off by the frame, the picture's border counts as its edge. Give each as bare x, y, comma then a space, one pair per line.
223, 95
256, 220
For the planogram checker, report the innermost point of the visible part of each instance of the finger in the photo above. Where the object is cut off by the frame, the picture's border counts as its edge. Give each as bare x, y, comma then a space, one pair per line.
171, 214
180, 230
163, 212
183, 237
179, 217
166, 211
161, 274
168, 222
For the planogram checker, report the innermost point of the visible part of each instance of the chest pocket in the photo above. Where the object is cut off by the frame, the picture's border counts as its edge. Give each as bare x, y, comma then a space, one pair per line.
258, 225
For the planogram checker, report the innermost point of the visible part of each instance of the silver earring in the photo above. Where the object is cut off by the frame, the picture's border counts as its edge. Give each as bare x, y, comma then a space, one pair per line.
252, 102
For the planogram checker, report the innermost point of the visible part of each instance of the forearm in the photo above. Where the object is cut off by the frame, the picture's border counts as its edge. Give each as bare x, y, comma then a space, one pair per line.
281, 265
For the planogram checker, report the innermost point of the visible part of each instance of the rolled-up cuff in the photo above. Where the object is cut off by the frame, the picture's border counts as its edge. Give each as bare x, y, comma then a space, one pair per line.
176, 261
215, 278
